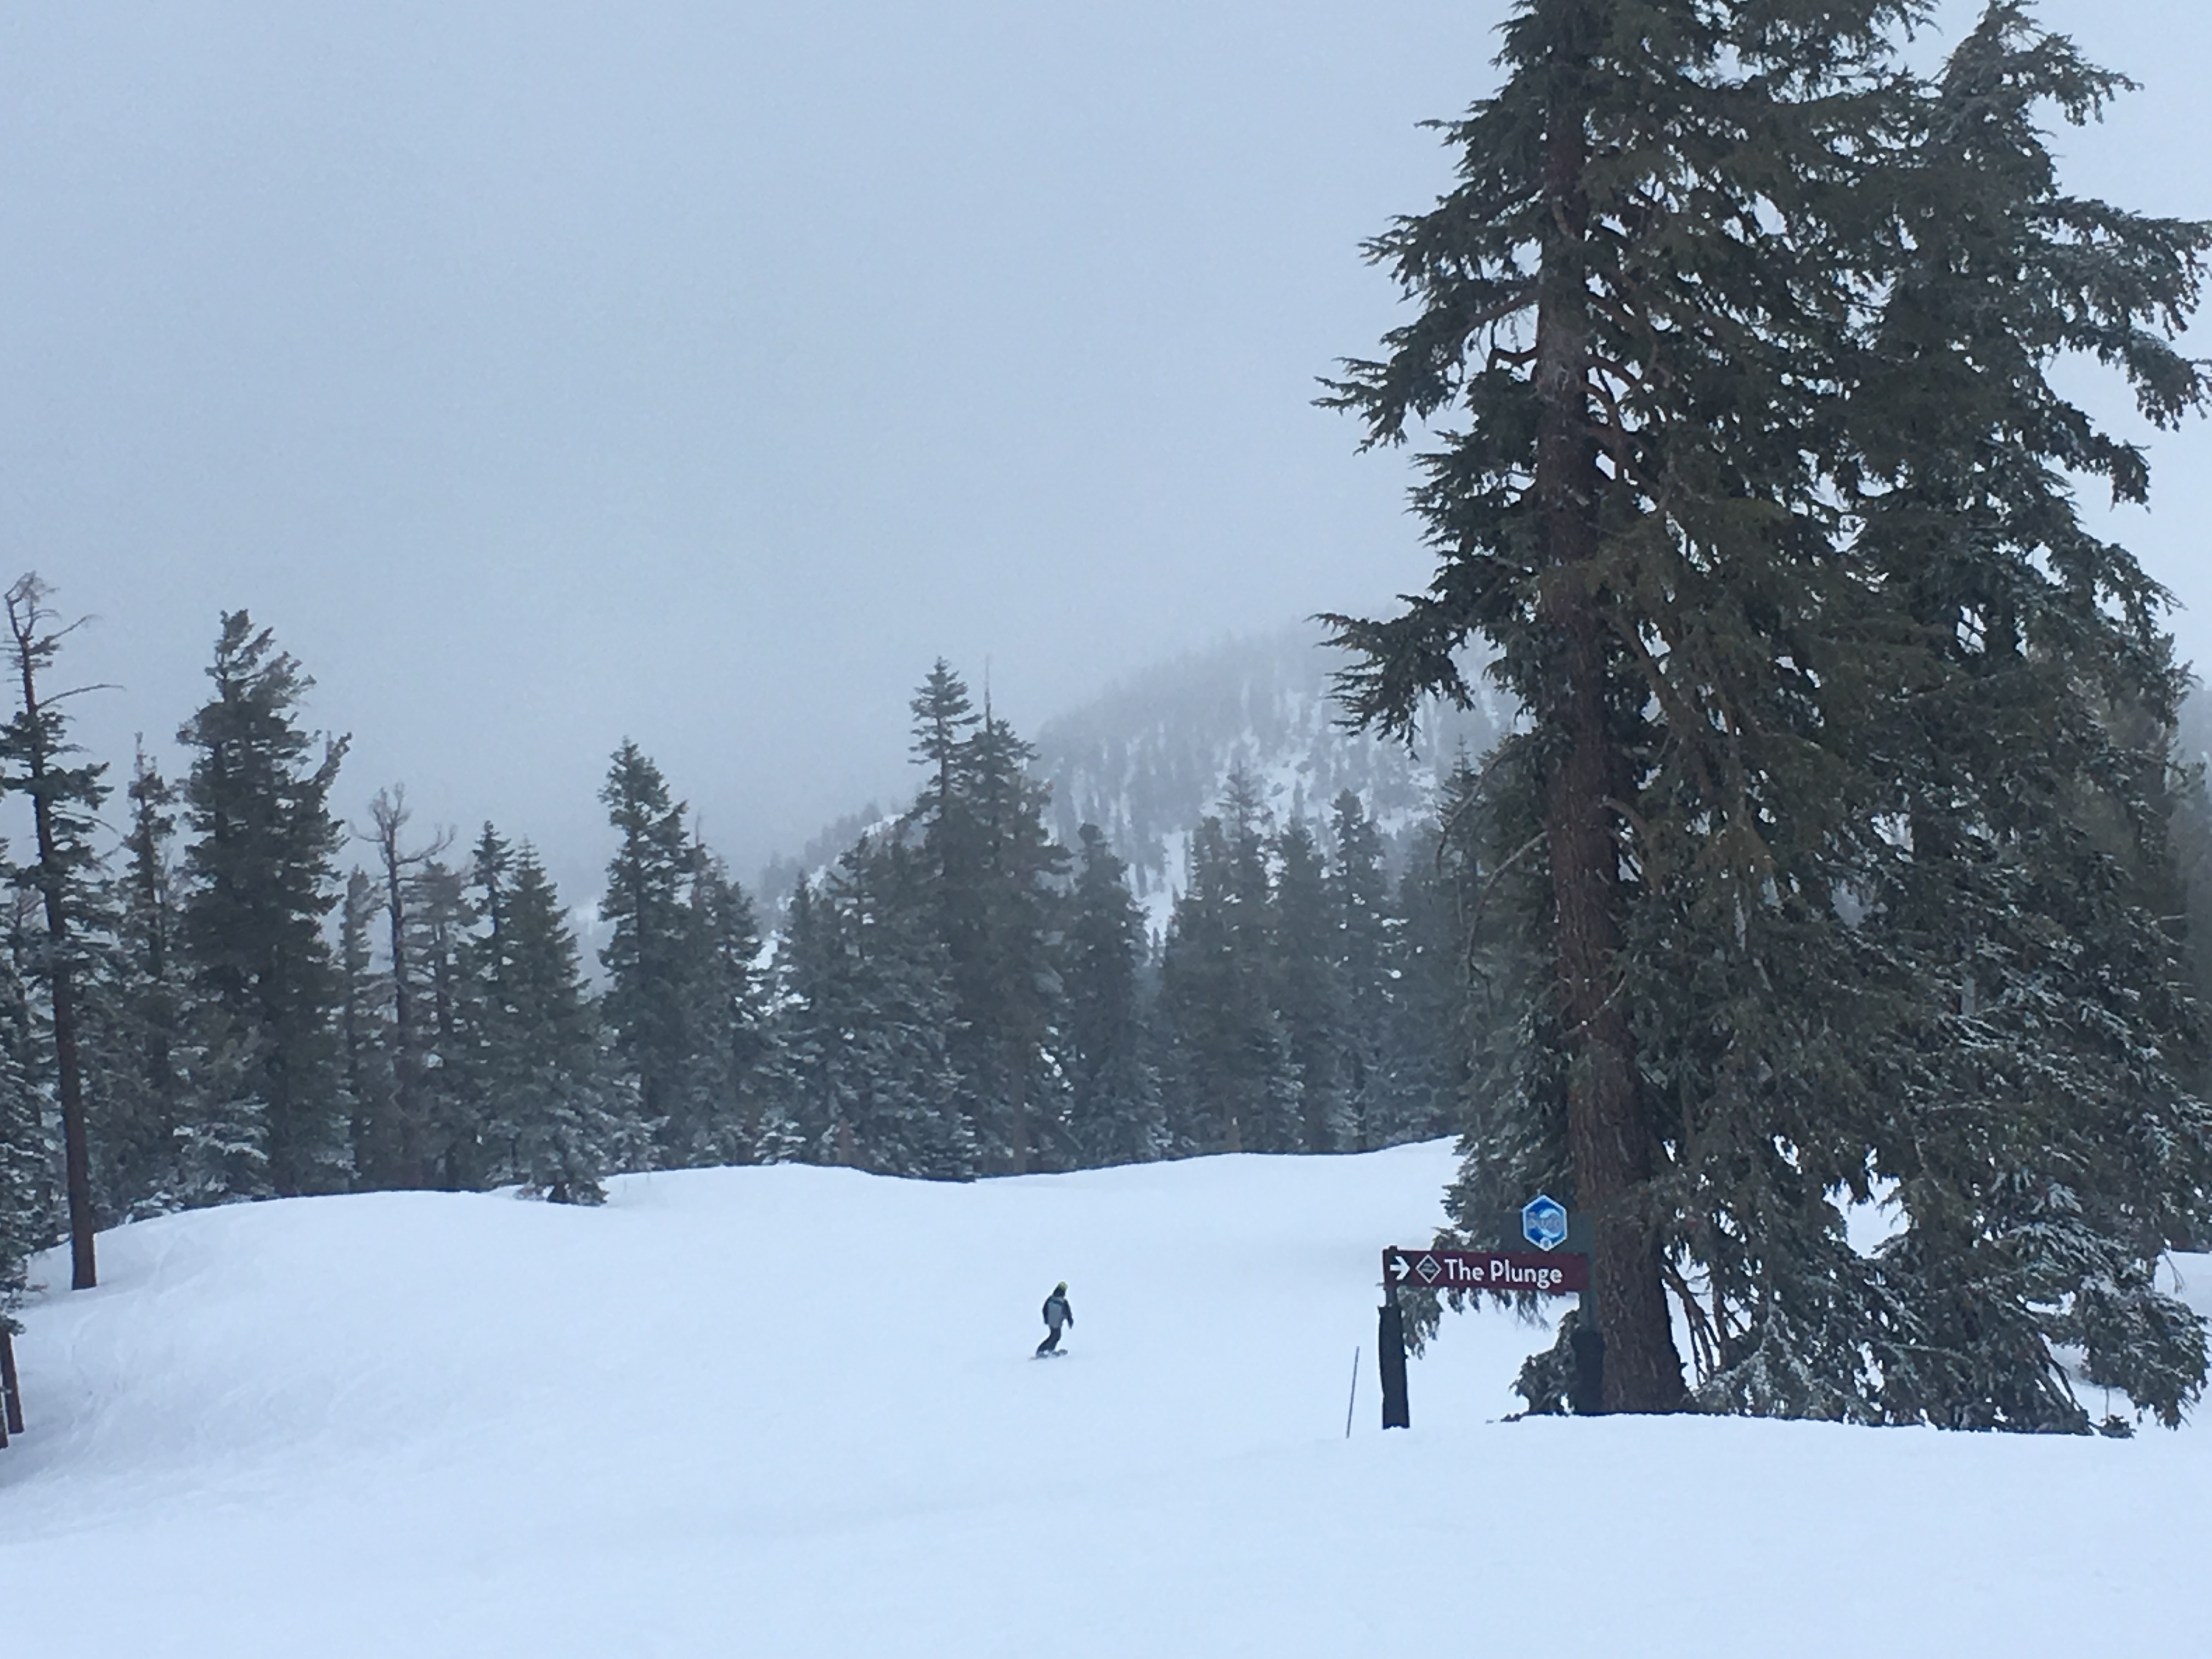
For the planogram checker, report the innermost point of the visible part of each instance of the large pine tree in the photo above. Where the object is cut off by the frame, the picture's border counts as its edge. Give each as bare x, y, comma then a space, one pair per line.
721, 1114
1309, 988
259, 883
27, 1195
551, 1111
139, 1041
1734, 338
992, 880
649, 954
1007, 989
1115, 1114
867, 1001
1233, 1082
1363, 952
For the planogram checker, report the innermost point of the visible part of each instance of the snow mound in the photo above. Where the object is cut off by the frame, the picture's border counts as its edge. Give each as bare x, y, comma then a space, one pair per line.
786, 1411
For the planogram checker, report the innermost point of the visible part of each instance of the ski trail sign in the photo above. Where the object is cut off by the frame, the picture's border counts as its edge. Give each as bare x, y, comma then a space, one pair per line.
1507, 1272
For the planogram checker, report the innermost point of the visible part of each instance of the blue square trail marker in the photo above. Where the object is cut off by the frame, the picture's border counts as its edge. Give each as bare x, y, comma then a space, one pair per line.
1544, 1221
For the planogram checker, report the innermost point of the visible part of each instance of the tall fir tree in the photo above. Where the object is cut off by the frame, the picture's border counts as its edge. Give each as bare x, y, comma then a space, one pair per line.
1365, 954
551, 1114
1309, 987
139, 1015
866, 1000
992, 882
1745, 332
1436, 1010
1006, 987
1115, 1109
1233, 1082
2036, 793
259, 880
648, 955
27, 1207
723, 1114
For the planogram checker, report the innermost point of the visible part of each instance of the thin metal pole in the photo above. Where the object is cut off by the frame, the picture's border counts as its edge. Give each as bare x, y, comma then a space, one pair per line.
1354, 1398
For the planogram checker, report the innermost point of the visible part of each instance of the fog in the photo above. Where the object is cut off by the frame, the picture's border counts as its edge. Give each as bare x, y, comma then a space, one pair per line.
549, 373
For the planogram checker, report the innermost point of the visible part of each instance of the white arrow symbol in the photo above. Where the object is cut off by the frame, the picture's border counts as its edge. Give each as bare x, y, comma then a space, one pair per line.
1401, 1266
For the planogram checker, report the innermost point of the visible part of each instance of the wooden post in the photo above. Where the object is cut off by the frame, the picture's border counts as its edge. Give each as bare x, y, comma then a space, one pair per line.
10, 1390
1390, 1354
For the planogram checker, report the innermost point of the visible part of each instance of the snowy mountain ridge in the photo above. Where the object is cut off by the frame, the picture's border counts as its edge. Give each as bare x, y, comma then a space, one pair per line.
1153, 755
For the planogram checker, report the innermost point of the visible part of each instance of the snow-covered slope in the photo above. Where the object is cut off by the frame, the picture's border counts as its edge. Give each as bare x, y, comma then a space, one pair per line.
788, 1411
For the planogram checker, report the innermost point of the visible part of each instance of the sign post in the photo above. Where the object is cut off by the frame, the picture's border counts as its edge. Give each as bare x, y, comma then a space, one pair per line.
1545, 1270
11, 1393
1390, 1354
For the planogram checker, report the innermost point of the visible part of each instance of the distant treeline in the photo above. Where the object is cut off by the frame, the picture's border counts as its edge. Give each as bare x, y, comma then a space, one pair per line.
226, 1006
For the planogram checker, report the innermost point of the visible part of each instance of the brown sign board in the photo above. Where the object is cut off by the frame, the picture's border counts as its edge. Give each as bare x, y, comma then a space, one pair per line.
1507, 1272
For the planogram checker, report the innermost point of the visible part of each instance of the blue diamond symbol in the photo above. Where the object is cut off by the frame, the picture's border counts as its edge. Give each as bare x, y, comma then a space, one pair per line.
1544, 1221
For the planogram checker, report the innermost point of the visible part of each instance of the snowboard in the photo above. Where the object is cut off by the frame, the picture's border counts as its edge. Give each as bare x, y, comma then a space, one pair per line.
1051, 1354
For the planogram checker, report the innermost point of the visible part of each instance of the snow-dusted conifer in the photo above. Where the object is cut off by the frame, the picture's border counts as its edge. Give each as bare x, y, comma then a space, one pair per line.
29, 1214
648, 952
1115, 1112
866, 998
1233, 1084
720, 1113
991, 885
1364, 953
137, 1016
550, 1112
258, 881
1753, 482
1311, 988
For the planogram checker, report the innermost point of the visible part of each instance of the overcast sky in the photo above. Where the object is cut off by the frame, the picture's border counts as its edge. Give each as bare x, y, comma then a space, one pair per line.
549, 373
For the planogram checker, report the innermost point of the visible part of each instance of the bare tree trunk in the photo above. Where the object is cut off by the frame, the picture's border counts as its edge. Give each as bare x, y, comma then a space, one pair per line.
388, 817
388, 814
76, 1153
1608, 1139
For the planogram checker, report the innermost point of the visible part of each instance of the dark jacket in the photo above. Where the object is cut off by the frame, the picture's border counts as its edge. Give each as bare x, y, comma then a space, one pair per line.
1057, 1312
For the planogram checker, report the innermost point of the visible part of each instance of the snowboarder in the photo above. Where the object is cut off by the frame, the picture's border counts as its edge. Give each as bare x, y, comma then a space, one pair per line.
1056, 1313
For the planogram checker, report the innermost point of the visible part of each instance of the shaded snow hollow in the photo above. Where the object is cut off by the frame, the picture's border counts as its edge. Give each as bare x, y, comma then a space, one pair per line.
789, 1411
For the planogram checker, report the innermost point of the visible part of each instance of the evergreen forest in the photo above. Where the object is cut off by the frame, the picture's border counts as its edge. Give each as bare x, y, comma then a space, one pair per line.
245, 998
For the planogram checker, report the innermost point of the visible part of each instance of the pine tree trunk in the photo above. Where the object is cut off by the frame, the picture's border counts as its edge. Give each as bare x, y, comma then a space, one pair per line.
77, 1154
1609, 1141
409, 1167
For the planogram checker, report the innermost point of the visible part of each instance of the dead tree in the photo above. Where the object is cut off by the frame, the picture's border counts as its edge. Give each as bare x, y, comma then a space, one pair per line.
34, 747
